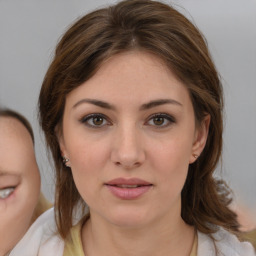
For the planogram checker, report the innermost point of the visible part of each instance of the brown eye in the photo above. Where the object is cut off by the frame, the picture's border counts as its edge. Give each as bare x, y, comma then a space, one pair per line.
158, 120
95, 121
98, 120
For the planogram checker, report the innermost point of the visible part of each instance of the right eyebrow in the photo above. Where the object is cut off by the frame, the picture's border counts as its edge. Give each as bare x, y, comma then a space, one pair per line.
98, 103
5, 173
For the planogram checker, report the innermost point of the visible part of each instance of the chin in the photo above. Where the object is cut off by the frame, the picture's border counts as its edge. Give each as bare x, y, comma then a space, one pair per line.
129, 219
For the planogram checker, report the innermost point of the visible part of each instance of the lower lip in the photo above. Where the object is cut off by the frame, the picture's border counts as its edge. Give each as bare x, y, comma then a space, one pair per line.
128, 193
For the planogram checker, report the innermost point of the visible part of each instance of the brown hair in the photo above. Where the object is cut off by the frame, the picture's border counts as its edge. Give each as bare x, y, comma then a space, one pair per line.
19, 117
159, 29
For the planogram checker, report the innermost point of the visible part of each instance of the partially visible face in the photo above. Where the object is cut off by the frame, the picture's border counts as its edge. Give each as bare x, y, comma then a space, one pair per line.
130, 135
19, 182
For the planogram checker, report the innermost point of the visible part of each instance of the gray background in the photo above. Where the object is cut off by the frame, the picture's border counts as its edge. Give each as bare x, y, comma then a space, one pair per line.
30, 29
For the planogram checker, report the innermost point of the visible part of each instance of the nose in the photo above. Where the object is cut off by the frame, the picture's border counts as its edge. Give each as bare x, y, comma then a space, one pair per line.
127, 148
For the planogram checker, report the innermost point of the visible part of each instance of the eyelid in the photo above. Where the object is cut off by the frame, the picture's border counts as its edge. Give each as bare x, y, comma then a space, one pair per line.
6, 192
169, 117
162, 114
85, 119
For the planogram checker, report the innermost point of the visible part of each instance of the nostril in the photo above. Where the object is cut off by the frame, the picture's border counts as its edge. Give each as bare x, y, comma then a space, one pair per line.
128, 165
127, 155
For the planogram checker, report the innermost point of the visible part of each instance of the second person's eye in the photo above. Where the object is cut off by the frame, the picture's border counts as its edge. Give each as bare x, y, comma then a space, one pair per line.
4, 193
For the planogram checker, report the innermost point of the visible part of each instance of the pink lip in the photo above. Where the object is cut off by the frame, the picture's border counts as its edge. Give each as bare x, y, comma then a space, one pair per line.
127, 193
131, 181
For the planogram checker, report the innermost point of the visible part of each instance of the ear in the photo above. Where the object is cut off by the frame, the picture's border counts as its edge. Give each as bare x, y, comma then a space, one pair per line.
200, 138
59, 135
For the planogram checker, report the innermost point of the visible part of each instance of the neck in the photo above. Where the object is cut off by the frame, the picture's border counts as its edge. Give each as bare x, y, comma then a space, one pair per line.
99, 238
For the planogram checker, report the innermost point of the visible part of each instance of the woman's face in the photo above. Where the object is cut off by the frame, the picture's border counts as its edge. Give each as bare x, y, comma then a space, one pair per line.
19, 182
130, 135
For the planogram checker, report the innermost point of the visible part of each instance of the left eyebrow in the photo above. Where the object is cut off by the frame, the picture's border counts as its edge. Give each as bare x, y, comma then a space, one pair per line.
6, 173
98, 103
156, 103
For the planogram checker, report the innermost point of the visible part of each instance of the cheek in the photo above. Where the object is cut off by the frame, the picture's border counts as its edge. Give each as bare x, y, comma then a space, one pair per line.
87, 162
14, 223
171, 161
86, 155
173, 153
28, 198
32, 182
17, 213
30, 190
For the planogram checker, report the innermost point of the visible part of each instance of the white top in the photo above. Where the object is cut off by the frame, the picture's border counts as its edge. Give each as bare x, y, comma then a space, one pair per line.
42, 240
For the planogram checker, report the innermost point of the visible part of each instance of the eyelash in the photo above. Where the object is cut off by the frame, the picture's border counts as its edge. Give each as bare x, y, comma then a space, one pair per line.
105, 121
6, 192
165, 117
85, 120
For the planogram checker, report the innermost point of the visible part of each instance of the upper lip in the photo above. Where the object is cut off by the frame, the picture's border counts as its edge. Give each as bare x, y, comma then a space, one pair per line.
130, 181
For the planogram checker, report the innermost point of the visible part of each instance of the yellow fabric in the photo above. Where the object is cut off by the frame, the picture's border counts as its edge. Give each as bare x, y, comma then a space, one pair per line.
194, 248
250, 236
42, 206
73, 245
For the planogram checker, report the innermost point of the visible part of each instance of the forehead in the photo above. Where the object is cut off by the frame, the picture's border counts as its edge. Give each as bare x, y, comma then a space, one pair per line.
13, 132
128, 75
16, 146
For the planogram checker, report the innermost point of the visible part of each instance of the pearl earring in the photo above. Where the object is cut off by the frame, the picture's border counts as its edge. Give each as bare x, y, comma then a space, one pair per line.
195, 156
65, 161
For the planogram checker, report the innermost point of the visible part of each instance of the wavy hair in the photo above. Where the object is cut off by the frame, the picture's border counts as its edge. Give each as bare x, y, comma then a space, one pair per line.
159, 29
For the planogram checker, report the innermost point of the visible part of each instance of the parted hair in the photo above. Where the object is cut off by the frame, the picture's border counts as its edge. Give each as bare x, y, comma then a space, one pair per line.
159, 29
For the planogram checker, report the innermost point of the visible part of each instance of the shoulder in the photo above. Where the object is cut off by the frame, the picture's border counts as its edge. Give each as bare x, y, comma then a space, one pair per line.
41, 239
225, 243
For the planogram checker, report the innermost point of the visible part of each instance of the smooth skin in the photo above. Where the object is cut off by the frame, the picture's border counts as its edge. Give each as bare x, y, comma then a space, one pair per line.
132, 119
19, 182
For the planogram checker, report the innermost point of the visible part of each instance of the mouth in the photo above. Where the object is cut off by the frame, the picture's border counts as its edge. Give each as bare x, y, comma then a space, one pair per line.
128, 186
128, 189
132, 182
